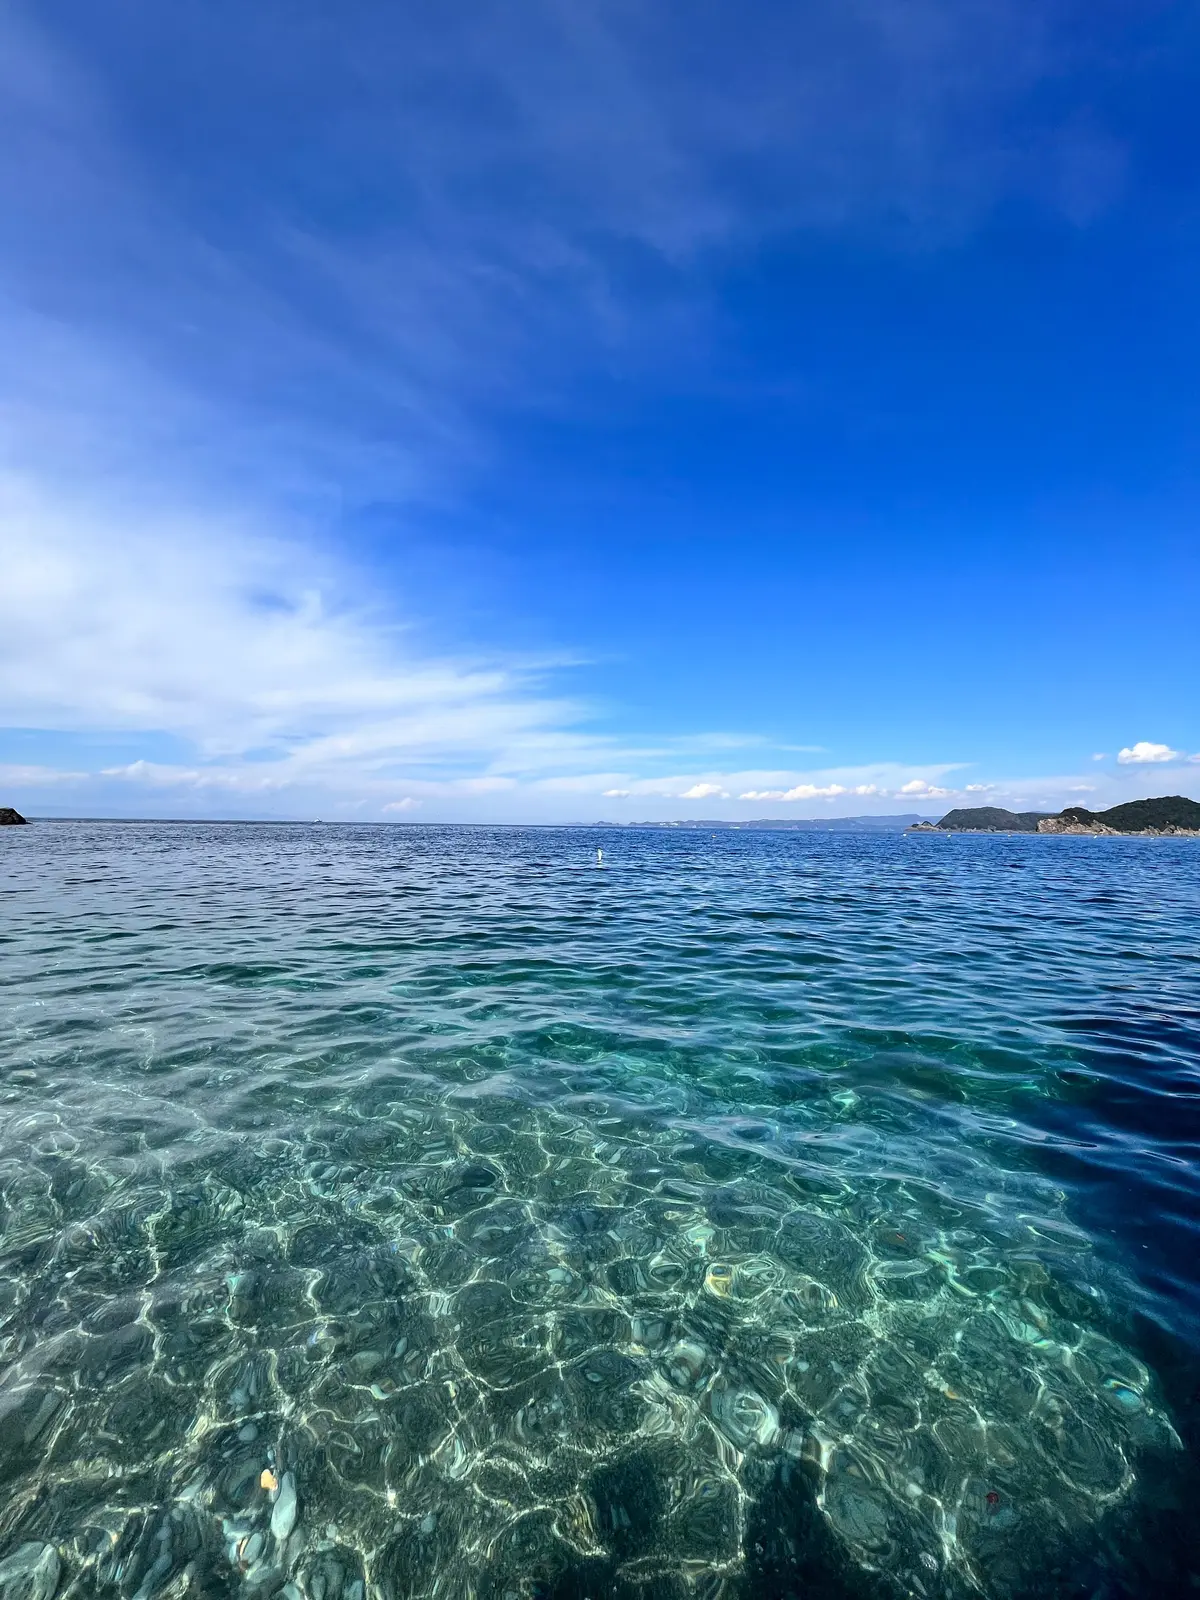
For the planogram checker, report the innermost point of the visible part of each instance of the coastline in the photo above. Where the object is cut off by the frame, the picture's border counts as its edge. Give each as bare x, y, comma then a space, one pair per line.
1074, 828
1173, 816
1053, 825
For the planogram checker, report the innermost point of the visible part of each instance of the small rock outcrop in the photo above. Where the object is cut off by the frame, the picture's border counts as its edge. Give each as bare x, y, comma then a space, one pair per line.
10, 818
1066, 825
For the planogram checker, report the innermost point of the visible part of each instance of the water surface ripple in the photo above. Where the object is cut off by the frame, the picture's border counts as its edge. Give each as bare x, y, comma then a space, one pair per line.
393, 1212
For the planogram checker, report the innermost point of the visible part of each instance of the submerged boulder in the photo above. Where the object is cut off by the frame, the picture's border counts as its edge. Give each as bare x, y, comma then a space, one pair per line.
31, 1572
11, 818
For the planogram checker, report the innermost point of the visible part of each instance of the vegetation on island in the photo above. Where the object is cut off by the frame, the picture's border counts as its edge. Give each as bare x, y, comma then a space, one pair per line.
1135, 816
1172, 813
991, 819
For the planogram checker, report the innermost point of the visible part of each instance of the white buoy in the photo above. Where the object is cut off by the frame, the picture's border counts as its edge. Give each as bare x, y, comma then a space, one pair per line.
599, 858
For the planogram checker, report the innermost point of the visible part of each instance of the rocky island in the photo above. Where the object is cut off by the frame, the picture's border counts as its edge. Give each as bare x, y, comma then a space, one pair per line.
1168, 816
10, 818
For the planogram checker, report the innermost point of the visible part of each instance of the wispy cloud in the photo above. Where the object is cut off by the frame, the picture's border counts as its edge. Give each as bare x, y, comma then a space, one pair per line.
284, 687
263, 656
25, 775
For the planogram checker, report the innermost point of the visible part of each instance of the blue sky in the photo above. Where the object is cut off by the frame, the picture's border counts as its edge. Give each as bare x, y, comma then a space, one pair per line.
582, 410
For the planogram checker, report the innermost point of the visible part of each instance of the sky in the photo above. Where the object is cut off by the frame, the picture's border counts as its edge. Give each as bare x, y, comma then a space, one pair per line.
592, 410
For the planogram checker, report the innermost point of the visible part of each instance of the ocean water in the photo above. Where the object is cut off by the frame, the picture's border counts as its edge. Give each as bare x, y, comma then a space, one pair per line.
394, 1212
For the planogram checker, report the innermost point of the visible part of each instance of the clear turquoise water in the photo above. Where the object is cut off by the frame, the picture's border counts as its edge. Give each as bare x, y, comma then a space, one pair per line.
755, 1214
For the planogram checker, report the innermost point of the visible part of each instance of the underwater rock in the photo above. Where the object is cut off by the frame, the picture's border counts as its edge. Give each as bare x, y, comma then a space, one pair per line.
687, 1364
174, 1544
25, 1414
745, 1418
792, 1549
264, 1577
334, 1574
31, 1572
628, 1505
858, 1514
283, 1517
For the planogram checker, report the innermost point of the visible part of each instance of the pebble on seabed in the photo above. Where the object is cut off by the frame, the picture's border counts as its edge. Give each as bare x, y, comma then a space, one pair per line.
283, 1517
719, 1280
1128, 1399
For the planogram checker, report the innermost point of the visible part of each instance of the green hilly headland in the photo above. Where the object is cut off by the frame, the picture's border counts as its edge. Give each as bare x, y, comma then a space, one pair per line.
1172, 813
991, 819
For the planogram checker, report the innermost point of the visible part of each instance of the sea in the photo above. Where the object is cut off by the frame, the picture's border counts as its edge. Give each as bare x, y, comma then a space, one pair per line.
549, 1213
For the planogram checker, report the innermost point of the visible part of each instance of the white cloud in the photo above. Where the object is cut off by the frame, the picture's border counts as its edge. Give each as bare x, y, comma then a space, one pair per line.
254, 651
1100, 755
803, 791
250, 676
918, 789
1144, 753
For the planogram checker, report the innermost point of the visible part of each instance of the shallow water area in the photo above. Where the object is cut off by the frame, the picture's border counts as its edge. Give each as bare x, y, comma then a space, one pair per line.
414, 1211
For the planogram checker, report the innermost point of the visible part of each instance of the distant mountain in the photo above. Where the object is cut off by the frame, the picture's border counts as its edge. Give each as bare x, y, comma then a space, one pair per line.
991, 819
1170, 813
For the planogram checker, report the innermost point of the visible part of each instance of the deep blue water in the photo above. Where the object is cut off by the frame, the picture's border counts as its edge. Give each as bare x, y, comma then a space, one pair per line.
413, 1211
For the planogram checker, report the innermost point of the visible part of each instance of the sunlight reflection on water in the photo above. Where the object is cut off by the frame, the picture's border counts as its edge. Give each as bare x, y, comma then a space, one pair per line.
528, 1225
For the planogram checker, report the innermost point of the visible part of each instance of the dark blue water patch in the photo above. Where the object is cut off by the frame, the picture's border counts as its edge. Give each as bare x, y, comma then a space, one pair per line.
1127, 1122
